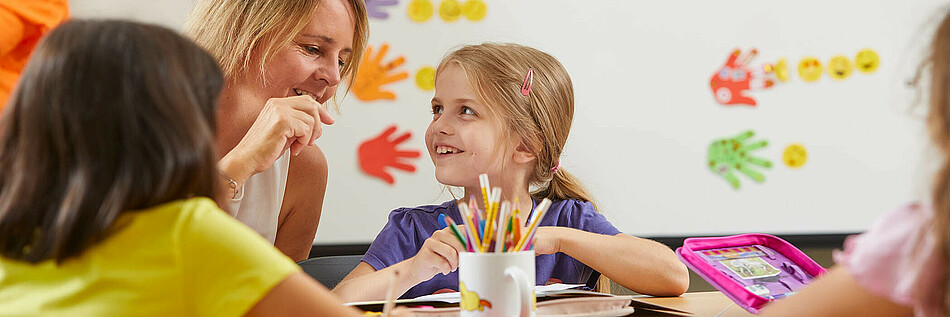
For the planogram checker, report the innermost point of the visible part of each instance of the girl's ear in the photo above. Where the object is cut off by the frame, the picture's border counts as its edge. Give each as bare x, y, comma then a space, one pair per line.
523, 155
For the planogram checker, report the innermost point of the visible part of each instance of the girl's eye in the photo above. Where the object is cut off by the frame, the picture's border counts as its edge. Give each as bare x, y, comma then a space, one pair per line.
341, 63
469, 111
436, 109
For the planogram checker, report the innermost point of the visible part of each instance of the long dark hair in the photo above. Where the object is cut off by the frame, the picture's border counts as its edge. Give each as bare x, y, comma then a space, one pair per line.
109, 117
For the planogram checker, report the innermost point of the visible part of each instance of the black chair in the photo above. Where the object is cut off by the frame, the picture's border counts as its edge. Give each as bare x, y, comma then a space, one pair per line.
330, 270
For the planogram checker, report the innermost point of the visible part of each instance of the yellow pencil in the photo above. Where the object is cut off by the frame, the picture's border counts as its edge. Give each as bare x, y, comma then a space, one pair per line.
490, 215
483, 181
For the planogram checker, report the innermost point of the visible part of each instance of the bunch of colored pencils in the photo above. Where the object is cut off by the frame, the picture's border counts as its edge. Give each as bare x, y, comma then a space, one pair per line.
496, 228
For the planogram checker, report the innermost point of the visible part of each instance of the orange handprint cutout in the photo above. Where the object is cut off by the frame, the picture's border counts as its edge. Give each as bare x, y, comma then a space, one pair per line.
373, 75
378, 153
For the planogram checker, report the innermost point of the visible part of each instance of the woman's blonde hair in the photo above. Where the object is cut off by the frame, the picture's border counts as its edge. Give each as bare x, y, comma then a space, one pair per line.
542, 119
233, 31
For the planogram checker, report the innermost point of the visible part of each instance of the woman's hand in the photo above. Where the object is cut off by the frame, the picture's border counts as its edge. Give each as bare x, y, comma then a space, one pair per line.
439, 254
546, 240
291, 122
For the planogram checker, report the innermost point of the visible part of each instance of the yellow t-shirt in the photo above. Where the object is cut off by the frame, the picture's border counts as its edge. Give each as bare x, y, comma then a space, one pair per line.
184, 258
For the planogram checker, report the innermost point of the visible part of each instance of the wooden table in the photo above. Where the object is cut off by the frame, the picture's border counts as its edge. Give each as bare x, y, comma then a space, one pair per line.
700, 304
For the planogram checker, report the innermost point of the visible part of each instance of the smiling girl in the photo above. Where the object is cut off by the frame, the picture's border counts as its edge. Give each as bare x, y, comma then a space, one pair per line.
483, 122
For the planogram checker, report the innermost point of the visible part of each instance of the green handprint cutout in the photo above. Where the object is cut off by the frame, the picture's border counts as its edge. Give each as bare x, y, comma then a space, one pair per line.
726, 155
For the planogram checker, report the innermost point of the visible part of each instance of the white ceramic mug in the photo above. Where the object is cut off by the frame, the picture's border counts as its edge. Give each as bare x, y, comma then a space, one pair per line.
497, 284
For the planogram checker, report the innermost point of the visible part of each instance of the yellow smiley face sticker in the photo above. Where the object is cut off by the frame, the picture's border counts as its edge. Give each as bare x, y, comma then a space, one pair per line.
795, 155
839, 68
781, 70
867, 61
474, 10
425, 78
809, 69
450, 10
419, 10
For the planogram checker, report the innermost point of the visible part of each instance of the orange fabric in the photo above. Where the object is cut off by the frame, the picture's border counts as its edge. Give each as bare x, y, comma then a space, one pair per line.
24, 23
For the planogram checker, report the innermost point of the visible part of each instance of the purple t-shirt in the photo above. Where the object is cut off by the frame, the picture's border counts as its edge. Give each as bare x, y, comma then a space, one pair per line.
408, 228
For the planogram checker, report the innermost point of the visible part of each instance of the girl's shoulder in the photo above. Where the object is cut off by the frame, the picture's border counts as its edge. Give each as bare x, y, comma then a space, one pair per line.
572, 207
425, 211
897, 256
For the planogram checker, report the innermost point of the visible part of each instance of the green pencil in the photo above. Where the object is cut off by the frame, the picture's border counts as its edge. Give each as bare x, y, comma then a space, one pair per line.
456, 232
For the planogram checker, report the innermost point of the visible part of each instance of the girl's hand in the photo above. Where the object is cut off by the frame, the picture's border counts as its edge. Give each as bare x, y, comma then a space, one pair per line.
291, 122
439, 254
546, 240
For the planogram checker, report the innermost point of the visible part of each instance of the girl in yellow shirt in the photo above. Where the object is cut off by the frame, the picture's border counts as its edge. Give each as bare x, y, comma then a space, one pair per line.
106, 160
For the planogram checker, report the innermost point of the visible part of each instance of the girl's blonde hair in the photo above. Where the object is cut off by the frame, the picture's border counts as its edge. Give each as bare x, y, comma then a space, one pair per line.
542, 119
938, 122
233, 30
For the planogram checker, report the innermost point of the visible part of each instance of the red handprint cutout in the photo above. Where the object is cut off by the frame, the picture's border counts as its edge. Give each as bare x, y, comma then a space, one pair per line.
378, 153
730, 83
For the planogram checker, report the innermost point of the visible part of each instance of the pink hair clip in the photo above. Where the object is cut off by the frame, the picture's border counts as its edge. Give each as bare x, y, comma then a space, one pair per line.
528, 80
556, 167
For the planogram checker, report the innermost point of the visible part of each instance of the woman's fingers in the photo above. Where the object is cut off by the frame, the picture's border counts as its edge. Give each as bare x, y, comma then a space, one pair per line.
300, 131
315, 110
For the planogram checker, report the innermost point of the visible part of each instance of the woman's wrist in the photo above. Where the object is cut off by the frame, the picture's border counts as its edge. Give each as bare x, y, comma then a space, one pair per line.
235, 168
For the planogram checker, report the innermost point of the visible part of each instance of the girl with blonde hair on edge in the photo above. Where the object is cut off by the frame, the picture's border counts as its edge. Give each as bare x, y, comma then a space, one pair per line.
901, 265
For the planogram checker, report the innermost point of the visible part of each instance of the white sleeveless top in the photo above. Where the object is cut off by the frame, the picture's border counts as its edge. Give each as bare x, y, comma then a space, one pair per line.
263, 194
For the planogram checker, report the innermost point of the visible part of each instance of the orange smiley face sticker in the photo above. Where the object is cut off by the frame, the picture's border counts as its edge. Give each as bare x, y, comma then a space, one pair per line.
809, 69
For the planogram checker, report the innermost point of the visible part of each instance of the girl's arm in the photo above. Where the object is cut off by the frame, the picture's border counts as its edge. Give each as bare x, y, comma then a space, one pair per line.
642, 265
365, 283
835, 294
439, 254
300, 295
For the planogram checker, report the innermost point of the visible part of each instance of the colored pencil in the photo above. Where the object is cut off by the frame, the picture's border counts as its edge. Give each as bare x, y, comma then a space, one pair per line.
539, 212
456, 232
500, 235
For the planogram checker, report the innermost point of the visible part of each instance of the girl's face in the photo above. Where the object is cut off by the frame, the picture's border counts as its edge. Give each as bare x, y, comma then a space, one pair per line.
311, 64
464, 138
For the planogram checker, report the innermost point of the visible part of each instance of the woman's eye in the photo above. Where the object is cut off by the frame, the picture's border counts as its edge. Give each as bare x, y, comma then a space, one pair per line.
467, 110
312, 50
436, 109
341, 63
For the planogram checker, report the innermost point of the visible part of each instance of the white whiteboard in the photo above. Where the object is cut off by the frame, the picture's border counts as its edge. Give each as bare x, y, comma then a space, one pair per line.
645, 114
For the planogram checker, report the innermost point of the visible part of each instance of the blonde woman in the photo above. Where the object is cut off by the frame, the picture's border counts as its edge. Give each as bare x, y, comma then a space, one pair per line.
282, 61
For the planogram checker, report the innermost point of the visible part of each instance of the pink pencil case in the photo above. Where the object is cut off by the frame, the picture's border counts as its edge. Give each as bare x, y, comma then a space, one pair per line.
751, 269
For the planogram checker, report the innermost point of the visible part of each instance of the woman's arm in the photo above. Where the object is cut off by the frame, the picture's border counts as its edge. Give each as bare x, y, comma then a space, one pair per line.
300, 295
642, 265
303, 203
835, 294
